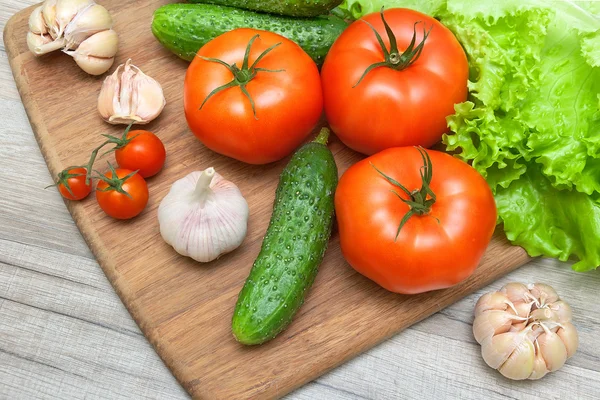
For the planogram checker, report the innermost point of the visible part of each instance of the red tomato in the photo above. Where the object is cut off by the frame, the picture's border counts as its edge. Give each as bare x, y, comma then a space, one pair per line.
438, 246
71, 184
122, 193
400, 103
142, 152
287, 98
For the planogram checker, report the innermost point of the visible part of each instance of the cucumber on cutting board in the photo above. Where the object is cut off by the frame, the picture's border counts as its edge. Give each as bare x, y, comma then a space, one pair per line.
293, 246
293, 8
184, 28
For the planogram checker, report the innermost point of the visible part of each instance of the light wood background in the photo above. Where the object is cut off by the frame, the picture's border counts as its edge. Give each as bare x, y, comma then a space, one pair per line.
65, 334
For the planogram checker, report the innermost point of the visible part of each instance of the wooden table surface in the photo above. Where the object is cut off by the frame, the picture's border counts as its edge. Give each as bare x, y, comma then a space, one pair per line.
64, 333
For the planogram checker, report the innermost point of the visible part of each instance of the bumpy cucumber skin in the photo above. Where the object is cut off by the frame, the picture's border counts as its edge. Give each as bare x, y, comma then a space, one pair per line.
292, 248
292, 8
185, 28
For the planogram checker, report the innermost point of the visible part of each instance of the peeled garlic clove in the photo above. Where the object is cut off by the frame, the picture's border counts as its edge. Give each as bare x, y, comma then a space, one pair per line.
66, 10
87, 22
36, 22
545, 293
130, 96
516, 292
570, 338
42, 44
553, 349
491, 301
203, 216
491, 323
539, 365
520, 363
96, 54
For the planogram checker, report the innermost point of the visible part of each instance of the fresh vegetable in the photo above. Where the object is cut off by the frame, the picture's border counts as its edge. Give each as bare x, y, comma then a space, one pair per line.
414, 220
391, 79
293, 247
294, 8
185, 28
130, 96
524, 331
81, 28
141, 151
530, 125
252, 95
72, 183
203, 216
122, 193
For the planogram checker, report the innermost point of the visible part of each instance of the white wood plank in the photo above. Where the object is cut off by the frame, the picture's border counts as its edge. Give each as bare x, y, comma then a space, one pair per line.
64, 334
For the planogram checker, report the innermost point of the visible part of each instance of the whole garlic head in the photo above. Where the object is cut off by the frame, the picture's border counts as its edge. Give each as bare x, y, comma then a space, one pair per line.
81, 28
203, 216
525, 331
130, 96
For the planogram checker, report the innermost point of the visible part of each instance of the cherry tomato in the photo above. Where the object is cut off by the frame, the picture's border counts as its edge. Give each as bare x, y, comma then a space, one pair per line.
143, 151
254, 110
122, 193
71, 183
405, 98
430, 238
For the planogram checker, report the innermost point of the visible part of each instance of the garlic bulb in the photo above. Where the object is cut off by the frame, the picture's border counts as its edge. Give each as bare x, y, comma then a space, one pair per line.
130, 96
81, 28
525, 331
203, 216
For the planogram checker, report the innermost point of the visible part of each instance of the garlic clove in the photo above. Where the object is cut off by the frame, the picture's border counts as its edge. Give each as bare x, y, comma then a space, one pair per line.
496, 350
518, 327
542, 314
130, 96
66, 10
492, 301
539, 365
553, 349
523, 309
96, 54
545, 293
49, 16
491, 323
89, 21
570, 338
516, 292
36, 22
106, 98
42, 44
149, 97
203, 216
520, 363
562, 311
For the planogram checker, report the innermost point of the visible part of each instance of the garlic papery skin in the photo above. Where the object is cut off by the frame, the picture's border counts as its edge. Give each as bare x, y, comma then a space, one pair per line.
130, 96
203, 216
81, 28
532, 343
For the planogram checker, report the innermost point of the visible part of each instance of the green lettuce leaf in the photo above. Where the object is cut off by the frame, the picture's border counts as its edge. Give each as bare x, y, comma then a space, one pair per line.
551, 222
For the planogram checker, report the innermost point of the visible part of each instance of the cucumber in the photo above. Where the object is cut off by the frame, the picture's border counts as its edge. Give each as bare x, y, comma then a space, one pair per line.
293, 246
292, 8
184, 28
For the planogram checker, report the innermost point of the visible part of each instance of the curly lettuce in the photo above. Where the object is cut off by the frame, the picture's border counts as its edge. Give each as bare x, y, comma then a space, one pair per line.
531, 125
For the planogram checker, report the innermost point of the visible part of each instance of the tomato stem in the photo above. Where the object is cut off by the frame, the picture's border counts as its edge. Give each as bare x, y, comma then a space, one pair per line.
242, 76
115, 183
64, 176
419, 200
393, 57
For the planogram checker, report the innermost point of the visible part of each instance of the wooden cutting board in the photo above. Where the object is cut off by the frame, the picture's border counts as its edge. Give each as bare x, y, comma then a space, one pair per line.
185, 308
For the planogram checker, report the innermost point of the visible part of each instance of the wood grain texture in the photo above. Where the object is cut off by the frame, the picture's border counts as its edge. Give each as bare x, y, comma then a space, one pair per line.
397, 358
184, 308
